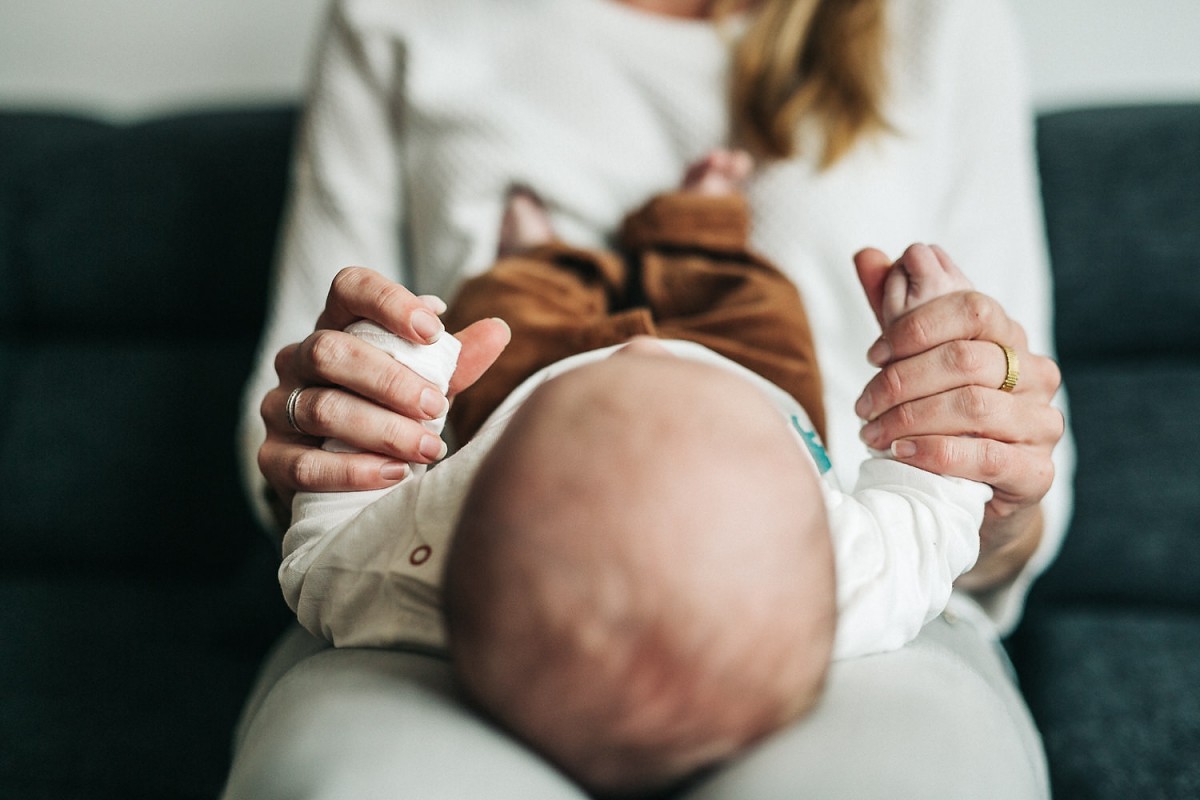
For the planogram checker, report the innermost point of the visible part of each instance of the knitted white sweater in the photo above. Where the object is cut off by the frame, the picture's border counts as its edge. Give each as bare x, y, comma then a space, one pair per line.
422, 113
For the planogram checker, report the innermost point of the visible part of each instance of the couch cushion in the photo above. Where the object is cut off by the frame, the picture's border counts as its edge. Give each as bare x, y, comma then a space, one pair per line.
165, 226
1122, 190
1135, 533
1122, 193
119, 454
128, 687
134, 261
1114, 694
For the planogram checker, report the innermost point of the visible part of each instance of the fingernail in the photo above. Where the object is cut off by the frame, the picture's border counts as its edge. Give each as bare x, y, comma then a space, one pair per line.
394, 471
434, 303
427, 326
433, 404
903, 448
880, 352
432, 447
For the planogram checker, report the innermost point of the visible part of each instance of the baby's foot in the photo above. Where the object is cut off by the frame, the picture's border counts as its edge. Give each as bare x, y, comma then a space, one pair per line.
719, 172
525, 223
920, 275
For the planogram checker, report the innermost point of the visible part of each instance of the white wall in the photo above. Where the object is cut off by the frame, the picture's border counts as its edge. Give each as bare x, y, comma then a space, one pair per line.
130, 57
1096, 51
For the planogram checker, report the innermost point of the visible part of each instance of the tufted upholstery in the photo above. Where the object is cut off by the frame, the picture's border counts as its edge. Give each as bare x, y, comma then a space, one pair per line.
136, 596
1109, 652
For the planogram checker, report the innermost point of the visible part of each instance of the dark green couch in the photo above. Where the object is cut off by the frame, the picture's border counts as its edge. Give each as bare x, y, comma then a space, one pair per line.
137, 597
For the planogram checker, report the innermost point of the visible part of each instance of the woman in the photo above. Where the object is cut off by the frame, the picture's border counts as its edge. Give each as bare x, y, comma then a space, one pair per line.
876, 123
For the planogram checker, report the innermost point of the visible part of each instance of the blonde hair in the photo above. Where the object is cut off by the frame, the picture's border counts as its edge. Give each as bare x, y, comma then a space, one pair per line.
819, 60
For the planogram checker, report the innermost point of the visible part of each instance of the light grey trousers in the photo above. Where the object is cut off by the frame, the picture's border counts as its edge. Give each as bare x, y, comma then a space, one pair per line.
938, 719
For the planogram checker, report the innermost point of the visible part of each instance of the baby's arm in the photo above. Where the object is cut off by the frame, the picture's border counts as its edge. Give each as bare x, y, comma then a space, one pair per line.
901, 538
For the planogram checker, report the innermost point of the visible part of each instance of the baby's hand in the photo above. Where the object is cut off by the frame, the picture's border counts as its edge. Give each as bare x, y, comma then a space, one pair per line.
923, 273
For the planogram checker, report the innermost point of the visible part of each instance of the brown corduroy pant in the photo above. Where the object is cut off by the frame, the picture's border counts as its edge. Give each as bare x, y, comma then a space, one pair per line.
685, 272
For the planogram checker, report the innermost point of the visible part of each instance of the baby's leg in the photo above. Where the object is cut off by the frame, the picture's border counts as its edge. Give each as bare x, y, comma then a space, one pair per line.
525, 224
918, 276
703, 283
556, 299
719, 172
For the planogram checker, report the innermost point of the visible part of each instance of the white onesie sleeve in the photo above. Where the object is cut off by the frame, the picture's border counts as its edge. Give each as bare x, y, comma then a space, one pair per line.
900, 539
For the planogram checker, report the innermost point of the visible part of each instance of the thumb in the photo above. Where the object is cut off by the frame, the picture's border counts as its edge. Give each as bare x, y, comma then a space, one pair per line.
873, 266
482, 343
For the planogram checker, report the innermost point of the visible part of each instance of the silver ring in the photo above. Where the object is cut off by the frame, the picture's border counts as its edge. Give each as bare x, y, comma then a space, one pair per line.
290, 408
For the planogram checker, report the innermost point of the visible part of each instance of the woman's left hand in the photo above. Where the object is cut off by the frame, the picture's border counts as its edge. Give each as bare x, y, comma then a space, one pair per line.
936, 403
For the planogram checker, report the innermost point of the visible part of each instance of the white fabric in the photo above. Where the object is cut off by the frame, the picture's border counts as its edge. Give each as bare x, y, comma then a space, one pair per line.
365, 568
433, 362
424, 111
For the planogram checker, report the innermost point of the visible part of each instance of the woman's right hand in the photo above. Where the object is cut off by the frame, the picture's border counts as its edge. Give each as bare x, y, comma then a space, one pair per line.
355, 392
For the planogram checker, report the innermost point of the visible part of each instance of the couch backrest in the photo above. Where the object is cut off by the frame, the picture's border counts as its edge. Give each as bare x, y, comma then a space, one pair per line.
133, 271
1122, 195
133, 268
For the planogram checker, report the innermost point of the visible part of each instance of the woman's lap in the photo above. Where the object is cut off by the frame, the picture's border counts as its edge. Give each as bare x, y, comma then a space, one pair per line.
938, 719
375, 723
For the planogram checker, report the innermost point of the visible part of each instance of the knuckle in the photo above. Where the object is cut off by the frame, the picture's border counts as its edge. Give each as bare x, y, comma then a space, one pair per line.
993, 460
266, 409
892, 382
1053, 374
389, 292
1051, 425
940, 455
325, 349
321, 409
1060, 424
975, 402
920, 331
395, 383
357, 474
964, 358
906, 417
1048, 476
265, 459
304, 470
270, 410
980, 308
347, 280
284, 358
400, 438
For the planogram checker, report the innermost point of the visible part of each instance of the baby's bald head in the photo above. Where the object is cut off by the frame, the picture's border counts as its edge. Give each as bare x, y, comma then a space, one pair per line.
642, 582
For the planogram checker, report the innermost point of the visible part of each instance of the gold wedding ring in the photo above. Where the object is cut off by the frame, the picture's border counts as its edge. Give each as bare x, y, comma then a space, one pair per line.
1012, 368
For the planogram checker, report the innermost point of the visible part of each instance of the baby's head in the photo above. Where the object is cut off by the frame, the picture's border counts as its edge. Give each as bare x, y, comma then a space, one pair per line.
641, 582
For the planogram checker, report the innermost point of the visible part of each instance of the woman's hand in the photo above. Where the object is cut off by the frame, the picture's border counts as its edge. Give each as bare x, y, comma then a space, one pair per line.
936, 403
356, 393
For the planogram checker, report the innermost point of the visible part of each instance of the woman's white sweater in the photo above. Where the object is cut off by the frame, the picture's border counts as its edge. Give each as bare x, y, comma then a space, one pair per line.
422, 112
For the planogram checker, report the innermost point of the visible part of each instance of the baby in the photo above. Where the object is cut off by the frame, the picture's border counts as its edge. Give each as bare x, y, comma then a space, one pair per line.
616, 589
616, 586
647, 564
